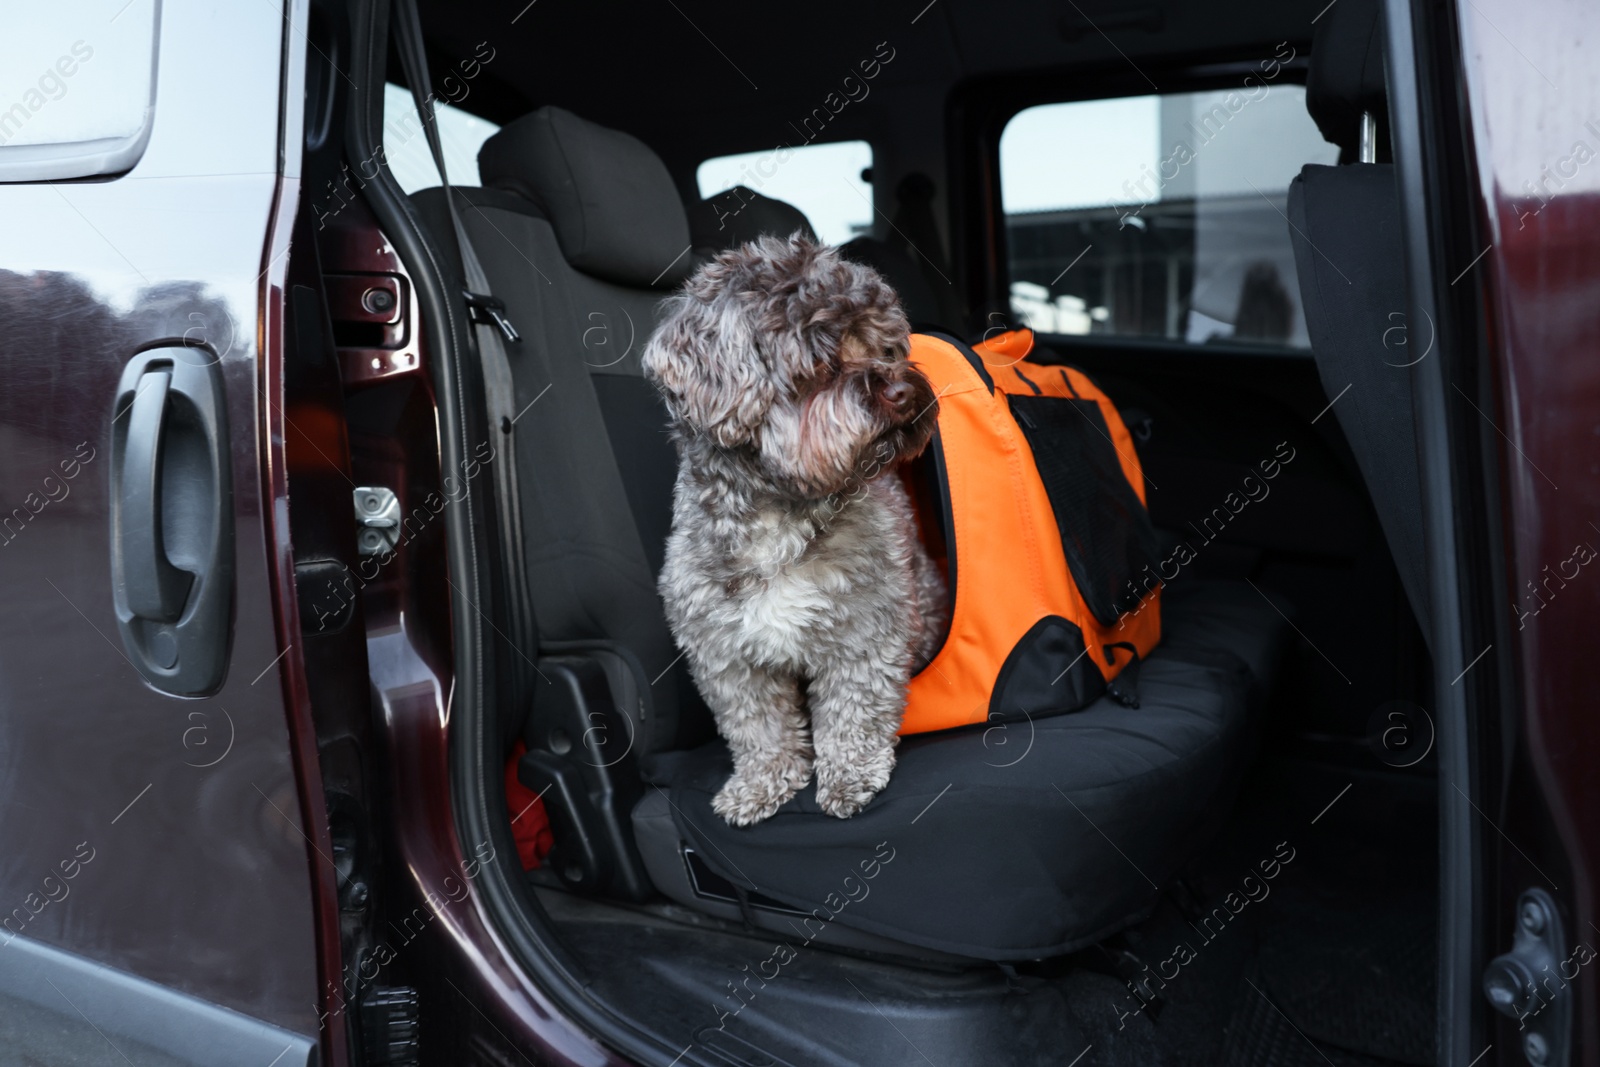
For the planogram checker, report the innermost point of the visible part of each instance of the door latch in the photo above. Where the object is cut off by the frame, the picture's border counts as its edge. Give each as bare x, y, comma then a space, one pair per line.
377, 519
1529, 984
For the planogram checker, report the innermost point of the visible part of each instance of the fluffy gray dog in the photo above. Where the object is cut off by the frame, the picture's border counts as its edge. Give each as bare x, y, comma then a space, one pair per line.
794, 577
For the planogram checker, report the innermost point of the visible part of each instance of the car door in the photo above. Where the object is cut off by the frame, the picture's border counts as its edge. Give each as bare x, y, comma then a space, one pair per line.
162, 841
1517, 275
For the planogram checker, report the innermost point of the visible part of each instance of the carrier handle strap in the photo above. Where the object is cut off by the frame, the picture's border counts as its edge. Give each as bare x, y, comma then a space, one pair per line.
1124, 688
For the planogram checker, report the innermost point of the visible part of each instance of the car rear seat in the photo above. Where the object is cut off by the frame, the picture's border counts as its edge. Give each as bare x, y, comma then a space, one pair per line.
1008, 843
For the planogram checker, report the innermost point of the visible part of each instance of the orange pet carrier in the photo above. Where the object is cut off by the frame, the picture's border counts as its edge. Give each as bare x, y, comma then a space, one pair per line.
1031, 497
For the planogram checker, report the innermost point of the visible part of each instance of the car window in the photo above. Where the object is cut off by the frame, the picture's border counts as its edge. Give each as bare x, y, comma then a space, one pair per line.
1159, 216
825, 181
77, 88
405, 146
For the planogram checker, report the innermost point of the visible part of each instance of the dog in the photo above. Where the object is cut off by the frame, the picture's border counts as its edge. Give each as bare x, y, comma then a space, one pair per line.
794, 580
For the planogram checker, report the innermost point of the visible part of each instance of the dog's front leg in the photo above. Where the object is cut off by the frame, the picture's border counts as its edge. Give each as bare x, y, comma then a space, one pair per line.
856, 707
758, 713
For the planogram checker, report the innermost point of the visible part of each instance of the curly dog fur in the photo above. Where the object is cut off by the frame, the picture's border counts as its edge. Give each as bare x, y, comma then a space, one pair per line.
794, 581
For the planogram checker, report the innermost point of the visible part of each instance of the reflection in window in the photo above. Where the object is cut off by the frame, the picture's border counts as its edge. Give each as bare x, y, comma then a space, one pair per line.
1159, 216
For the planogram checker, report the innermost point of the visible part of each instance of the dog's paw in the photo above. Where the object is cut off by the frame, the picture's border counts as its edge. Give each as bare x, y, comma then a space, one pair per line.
750, 797
841, 792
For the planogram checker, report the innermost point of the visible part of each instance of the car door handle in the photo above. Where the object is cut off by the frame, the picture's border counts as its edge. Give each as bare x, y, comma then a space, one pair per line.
155, 589
172, 519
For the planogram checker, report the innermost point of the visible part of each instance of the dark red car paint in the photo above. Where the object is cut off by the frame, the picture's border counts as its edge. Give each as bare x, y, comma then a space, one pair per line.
199, 880
1534, 96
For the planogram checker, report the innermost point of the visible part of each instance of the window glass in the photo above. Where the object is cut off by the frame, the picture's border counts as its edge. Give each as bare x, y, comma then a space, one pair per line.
405, 146
1159, 216
77, 88
823, 180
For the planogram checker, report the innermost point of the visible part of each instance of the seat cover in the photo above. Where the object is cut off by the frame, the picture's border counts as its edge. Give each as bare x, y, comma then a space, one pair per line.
1014, 841
1344, 224
1352, 284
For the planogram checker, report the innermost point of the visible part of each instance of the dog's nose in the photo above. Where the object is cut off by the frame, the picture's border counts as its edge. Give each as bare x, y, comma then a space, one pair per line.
898, 396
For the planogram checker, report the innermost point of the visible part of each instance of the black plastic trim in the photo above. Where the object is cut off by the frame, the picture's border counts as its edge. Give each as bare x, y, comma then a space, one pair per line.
169, 435
580, 758
1418, 130
710, 885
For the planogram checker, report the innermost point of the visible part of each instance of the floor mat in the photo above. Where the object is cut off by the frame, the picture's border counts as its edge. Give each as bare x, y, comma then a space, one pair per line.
1344, 956
1346, 951
1261, 1035
1356, 970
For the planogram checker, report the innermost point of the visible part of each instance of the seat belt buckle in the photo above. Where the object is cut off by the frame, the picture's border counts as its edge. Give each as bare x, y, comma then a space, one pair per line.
486, 309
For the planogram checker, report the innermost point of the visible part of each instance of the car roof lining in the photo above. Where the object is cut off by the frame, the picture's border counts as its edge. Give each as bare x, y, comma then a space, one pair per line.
717, 78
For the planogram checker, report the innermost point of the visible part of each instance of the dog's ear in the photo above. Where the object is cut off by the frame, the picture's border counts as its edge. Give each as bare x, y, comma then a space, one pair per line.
710, 372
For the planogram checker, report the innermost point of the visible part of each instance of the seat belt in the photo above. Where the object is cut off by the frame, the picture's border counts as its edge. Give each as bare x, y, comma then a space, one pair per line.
493, 332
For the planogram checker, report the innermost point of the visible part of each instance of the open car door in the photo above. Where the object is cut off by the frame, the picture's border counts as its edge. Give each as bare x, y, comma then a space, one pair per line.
162, 841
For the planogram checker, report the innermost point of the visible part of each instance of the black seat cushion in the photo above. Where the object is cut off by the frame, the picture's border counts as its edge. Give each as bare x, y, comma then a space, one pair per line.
1019, 841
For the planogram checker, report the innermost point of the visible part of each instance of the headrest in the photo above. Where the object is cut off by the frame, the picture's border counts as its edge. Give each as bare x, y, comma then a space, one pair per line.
739, 216
1346, 75
612, 203
902, 274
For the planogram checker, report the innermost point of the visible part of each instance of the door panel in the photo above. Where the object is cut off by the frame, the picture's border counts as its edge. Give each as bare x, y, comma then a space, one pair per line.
163, 836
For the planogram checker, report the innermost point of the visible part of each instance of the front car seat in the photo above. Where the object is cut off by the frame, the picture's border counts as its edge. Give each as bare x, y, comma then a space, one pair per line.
1344, 223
